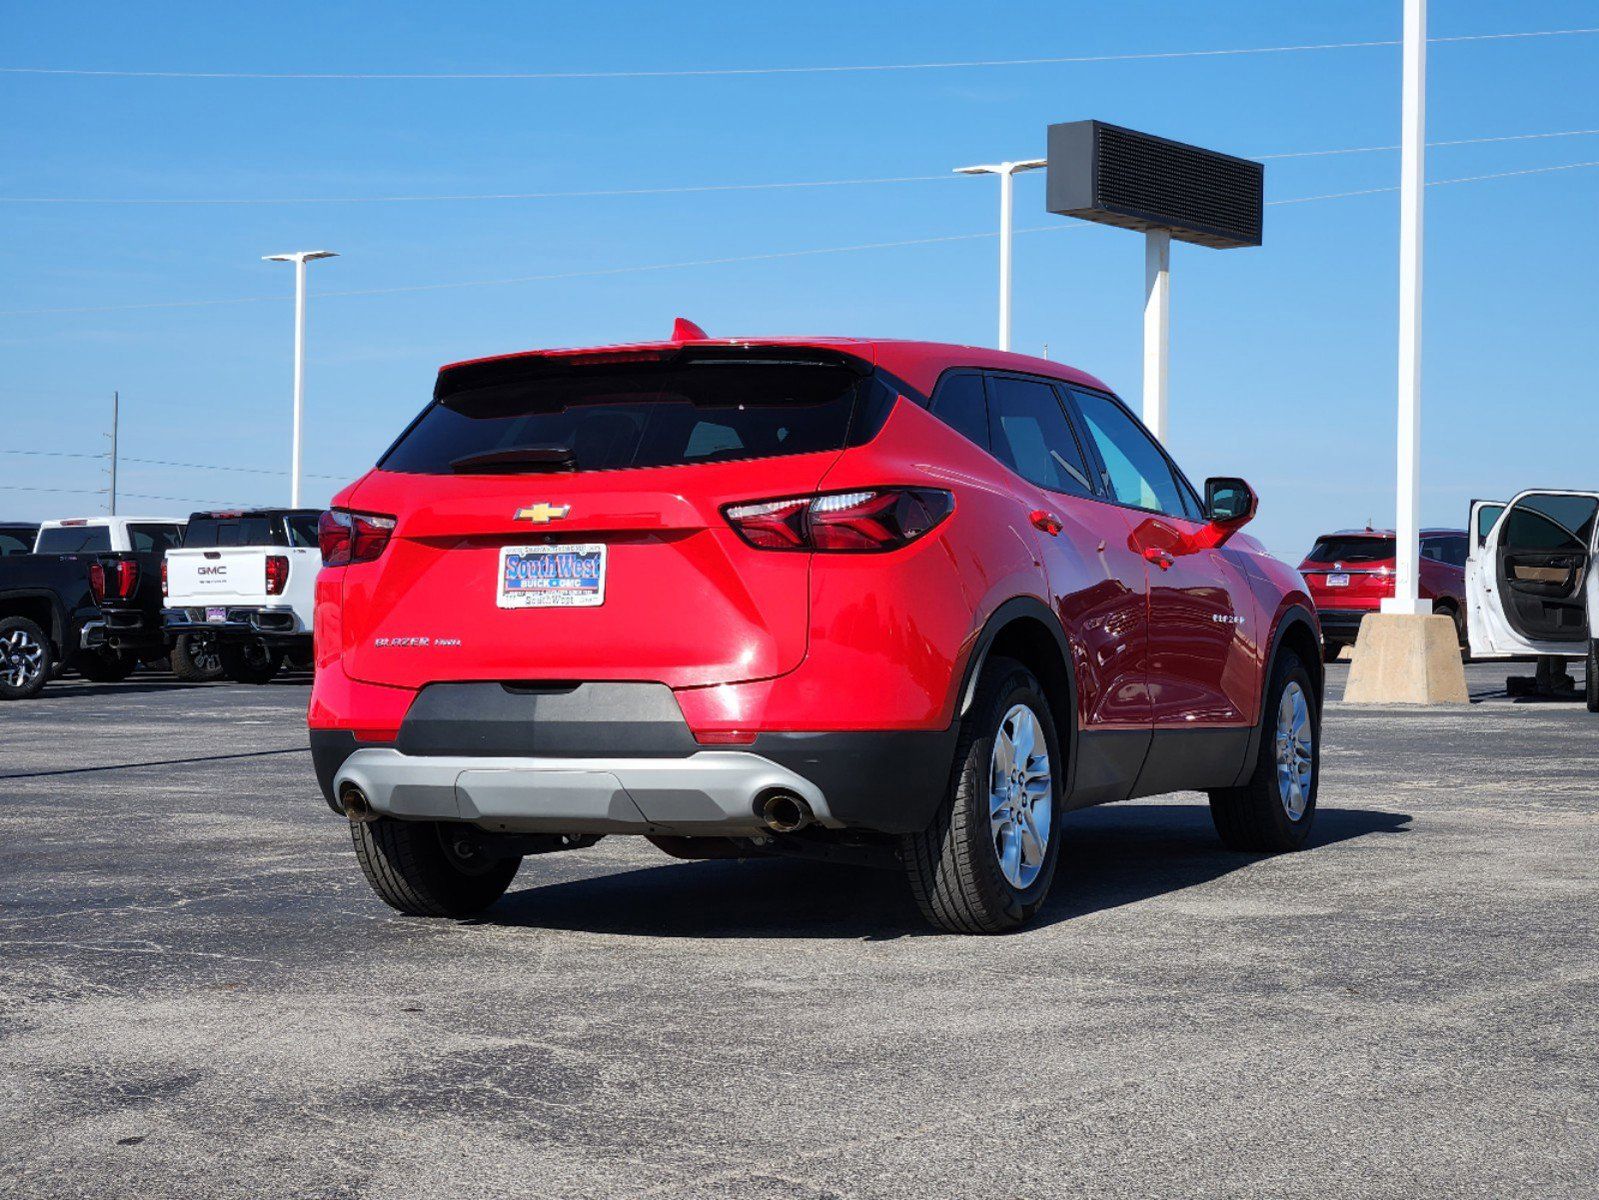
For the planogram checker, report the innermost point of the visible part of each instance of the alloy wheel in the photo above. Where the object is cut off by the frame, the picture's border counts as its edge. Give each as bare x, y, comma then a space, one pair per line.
1295, 744
21, 658
1020, 797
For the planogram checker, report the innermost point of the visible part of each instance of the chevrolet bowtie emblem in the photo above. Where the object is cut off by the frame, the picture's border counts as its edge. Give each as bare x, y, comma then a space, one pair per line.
542, 513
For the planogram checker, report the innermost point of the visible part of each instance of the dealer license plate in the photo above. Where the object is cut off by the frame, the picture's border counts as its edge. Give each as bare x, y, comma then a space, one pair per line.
552, 576
1337, 581
216, 616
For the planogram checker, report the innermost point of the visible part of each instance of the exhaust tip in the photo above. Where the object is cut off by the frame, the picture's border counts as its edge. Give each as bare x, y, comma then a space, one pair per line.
784, 812
355, 804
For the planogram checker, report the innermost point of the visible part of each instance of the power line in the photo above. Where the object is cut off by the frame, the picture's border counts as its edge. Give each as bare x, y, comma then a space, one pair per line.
1476, 141
730, 260
1438, 182
161, 462
720, 72
591, 194
687, 189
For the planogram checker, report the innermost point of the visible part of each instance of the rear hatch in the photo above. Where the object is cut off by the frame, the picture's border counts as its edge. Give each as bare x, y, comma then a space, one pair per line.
1354, 570
558, 518
196, 578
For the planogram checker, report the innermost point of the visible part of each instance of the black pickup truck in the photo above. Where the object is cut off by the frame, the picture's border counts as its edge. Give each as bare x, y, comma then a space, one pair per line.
97, 613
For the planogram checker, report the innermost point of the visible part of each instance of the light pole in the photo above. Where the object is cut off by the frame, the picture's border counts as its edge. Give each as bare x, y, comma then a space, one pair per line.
1413, 139
299, 258
1006, 171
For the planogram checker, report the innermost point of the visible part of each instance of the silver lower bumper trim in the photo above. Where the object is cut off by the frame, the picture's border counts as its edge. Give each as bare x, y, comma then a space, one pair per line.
711, 792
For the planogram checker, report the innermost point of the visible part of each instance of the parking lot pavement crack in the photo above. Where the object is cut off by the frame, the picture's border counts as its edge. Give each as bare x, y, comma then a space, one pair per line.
164, 762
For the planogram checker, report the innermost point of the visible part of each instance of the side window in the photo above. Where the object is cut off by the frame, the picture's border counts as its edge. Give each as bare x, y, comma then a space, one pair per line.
1136, 472
1487, 517
1433, 548
147, 538
1032, 436
1455, 551
960, 403
1562, 524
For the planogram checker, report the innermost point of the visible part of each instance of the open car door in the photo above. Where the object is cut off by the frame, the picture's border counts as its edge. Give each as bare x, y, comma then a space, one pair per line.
1530, 584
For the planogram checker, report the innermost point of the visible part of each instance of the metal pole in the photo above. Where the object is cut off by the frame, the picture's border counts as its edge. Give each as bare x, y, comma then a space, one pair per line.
1407, 523
116, 405
299, 377
1157, 327
1006, 179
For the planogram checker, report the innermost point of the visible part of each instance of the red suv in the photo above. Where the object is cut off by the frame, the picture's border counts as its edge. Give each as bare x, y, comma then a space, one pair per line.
1351, 572
875, 601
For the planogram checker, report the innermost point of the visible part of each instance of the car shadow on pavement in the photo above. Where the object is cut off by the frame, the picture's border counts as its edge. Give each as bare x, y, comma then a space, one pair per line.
1113, 856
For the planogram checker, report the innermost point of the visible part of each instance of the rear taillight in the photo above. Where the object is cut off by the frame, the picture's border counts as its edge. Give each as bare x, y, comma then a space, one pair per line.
120, 582
350, 537
862, 521
165, 590
277, 574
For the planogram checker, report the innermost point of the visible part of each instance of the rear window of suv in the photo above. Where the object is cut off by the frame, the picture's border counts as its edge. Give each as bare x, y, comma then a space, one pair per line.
610, 416
1351, 550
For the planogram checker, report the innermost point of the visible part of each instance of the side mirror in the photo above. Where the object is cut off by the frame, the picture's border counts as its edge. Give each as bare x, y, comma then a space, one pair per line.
1230, 504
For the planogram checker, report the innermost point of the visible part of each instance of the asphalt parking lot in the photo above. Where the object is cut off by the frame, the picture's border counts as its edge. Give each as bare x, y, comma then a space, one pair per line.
200, 997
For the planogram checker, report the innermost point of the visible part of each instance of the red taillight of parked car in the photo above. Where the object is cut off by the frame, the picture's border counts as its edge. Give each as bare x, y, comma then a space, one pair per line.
350, 537
120, 582
277, 574
861, 521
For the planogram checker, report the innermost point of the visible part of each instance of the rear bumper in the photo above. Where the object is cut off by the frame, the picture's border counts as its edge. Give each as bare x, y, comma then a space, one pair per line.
271, 623
712, 792
1341, 624
619, 758
131, 629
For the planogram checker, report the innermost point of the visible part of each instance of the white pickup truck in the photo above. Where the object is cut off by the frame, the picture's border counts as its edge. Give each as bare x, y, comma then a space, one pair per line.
108, 535
244, 584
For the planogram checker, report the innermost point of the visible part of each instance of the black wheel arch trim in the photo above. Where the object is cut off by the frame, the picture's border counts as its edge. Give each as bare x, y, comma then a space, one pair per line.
1293, 615
1012, 610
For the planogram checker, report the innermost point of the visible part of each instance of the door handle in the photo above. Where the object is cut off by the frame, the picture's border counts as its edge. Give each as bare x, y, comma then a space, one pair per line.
1046, 521
1161, 558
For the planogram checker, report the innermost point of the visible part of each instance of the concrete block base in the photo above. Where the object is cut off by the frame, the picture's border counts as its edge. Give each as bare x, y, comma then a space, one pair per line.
1403, 659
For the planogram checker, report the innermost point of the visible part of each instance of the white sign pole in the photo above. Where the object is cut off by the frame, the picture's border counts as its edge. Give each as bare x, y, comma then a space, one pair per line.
1413, 137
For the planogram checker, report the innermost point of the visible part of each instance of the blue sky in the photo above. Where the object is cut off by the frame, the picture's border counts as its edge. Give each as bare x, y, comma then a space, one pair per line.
1283, 357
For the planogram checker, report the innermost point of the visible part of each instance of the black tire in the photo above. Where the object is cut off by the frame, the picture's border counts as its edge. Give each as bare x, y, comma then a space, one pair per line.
101, 666
1255, 817
26, 659
954, 865
250, 661
1331, 650
413, 870
195, 658
1591, 684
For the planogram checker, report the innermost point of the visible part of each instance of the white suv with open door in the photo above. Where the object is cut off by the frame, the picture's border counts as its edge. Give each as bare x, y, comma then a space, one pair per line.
1530, 585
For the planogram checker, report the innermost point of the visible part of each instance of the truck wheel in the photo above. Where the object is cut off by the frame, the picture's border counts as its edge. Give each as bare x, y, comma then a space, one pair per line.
25, 659
195, 659
101, 666
1591, 686
1273, 812
413, 867
986, 862
249, 662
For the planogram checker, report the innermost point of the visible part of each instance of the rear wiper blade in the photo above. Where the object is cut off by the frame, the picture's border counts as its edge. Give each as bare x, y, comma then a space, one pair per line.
517, 458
